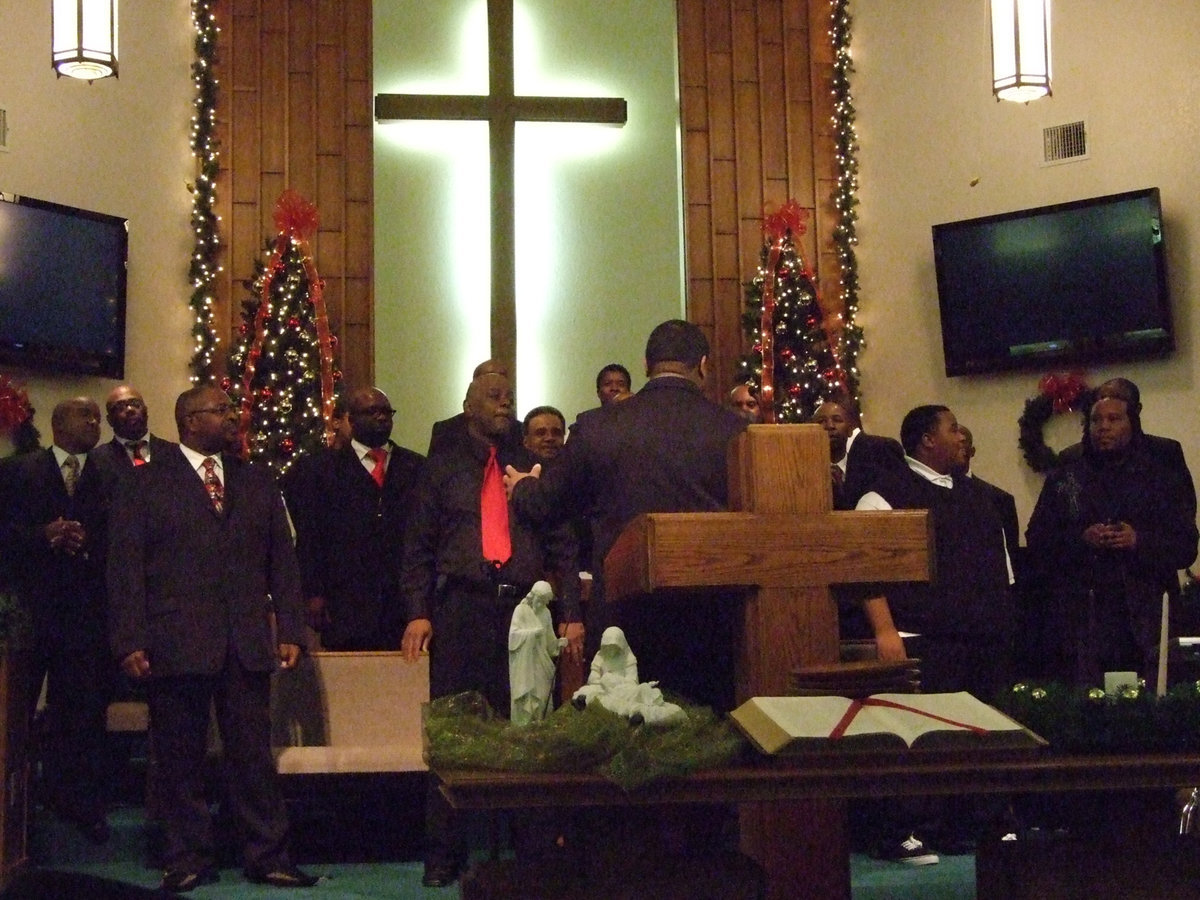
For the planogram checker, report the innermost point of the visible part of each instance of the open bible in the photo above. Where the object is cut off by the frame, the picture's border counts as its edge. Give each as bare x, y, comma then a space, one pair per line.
784, 725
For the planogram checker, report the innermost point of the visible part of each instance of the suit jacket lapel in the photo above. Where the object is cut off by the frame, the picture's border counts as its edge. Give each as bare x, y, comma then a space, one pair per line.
54, 477
230, 476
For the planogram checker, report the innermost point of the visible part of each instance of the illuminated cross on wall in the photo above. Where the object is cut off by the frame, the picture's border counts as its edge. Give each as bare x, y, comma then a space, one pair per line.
501, 108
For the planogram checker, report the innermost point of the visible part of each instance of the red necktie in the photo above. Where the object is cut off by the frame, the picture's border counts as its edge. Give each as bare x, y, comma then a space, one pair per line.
138, 448
839, 477
493, 513
216, 491
379, 454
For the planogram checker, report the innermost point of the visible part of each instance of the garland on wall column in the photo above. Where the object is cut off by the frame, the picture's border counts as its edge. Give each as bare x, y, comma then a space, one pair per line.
845, 235
203, 269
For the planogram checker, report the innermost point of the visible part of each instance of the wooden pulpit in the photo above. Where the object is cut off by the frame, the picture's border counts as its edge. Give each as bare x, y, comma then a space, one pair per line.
784, 542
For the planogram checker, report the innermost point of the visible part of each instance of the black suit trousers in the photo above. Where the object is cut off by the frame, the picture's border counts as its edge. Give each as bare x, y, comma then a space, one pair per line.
179, 713
68, 651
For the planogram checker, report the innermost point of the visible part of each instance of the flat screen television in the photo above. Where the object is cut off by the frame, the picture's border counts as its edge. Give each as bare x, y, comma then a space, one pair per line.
1069, 284
62, 288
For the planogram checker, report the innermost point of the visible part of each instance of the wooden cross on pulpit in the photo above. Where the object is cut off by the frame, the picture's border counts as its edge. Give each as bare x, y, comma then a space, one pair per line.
785, 541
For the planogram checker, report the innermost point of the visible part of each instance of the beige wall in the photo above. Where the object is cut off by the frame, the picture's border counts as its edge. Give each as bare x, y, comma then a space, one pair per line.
118, 146
929, 129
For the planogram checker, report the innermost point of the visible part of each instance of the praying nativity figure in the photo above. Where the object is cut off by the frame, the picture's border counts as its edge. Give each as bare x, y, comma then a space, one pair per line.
532, 649
613, 683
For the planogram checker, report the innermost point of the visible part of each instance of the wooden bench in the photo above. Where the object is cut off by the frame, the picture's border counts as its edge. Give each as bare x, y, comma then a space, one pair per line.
335, 713
342, 713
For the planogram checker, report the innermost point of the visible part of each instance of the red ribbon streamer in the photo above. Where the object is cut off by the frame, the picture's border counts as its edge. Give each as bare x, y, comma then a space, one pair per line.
766, 328
857, 705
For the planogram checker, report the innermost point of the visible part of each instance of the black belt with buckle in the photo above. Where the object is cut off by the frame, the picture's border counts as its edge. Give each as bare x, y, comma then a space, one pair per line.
503, 593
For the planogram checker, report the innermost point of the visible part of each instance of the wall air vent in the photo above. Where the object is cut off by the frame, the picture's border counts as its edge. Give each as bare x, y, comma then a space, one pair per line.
1064, 143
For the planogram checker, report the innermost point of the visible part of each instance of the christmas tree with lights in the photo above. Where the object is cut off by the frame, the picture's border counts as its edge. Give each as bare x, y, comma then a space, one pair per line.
281, 373
793, 364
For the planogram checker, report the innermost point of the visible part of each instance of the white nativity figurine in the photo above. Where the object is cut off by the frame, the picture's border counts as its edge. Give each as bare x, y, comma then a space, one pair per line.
532, 649
613, 683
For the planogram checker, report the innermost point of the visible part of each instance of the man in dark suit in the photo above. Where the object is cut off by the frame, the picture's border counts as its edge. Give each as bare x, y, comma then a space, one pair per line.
350, 532
132, 444
1164, 450
662, 450
55, 524
204, 602
857, 457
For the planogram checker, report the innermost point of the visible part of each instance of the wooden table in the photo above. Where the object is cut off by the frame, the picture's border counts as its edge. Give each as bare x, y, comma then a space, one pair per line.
863, 775
836, 778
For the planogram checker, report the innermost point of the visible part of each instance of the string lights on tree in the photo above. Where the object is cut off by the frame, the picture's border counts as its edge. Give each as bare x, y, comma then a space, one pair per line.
845, 233
802, 350
281, 372
204, 268
793, 363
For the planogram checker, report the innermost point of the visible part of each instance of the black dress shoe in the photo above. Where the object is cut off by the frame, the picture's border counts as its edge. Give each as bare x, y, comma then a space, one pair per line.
284, 877
182, 882
439, 875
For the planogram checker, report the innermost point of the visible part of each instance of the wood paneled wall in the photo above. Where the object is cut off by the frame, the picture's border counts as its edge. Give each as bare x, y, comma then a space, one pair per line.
294, 110
755, 79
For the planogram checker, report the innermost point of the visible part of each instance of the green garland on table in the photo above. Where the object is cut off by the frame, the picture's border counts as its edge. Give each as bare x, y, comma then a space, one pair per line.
1087, 720
464, 733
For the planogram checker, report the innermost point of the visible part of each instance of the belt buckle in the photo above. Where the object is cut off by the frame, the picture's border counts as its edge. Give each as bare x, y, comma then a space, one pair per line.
508, 592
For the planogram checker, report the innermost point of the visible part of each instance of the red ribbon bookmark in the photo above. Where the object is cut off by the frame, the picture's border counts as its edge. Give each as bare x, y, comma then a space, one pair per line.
854, 708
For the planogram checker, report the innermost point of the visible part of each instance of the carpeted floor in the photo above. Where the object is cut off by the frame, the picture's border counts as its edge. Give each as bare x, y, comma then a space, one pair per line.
61, 855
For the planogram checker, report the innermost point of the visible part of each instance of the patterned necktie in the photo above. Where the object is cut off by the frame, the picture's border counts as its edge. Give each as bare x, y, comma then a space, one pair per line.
493, 514
839, 477
70, 470
379, 454
138, 449
216, 491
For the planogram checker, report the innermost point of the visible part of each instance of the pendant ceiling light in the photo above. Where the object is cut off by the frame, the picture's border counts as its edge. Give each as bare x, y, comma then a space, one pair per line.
84, 38
1020, 49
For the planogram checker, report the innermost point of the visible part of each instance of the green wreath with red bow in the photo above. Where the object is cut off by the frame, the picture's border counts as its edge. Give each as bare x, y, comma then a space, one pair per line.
1056, 394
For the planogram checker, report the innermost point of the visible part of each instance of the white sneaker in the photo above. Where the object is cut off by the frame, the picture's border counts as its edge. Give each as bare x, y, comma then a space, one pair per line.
911, 851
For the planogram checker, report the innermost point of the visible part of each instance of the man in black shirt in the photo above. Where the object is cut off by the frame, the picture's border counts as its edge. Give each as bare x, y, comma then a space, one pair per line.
460, 588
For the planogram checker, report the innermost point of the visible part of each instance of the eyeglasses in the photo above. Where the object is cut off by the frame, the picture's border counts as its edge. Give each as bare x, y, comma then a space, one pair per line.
223, 410
126, 404
374, 411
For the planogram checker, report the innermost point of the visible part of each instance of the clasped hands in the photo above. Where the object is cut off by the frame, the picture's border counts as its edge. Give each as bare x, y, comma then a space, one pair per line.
1110, 536
66, 535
